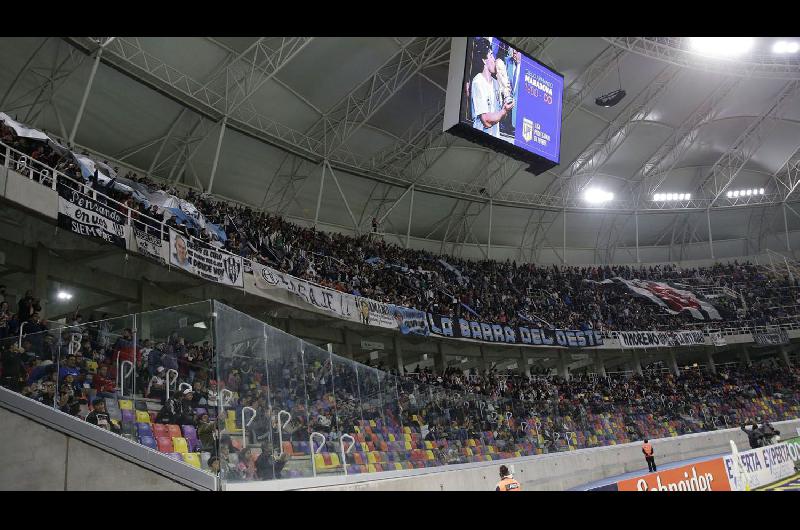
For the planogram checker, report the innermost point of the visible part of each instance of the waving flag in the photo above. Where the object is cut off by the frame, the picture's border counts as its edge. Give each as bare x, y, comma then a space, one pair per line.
672, 299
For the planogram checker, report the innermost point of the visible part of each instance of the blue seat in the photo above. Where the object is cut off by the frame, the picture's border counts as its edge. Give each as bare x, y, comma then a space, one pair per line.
144, 429
148, 441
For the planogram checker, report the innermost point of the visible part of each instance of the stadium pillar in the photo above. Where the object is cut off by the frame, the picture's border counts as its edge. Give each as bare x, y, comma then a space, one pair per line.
398, 355
673, 363
599, 365
440, 361
710, 236
143, 322
637, 363
563, 361
482, 361
784, 355
41, 266
524, 368
744, 355
710, 358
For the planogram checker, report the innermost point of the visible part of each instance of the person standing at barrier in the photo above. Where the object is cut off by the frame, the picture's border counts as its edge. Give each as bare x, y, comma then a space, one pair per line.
507, 482
647, 449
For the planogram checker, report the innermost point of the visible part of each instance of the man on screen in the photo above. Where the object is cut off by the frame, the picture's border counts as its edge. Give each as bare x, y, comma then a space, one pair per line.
488, 109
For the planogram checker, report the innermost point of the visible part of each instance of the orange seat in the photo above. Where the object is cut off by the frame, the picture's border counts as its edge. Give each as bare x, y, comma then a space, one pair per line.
174, 431
287, 448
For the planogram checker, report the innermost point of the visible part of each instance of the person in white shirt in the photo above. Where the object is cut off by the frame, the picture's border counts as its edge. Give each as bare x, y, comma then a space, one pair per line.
487, 107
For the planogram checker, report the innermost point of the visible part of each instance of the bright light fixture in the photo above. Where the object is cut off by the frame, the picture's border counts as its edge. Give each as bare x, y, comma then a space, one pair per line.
783, 46
597, 196
744, 193
201, 325
63, 295
660, 197
761, 191
722, 46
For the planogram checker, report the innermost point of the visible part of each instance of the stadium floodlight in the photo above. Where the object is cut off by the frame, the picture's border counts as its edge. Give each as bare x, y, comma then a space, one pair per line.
736, 193
749, 192
783, 46
688, 196
597, 196
722, 46
761, 191
63, 295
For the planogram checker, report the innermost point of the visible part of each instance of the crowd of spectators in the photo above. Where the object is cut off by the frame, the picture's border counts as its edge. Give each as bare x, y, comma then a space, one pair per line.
494, 291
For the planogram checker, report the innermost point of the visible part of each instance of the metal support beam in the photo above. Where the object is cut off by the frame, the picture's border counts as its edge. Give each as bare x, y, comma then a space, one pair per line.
786, 228
216, 153
489, 241
164, 142
89, 83
319, 195
564, 256
410, 216
344, 199
710, 235
636, 218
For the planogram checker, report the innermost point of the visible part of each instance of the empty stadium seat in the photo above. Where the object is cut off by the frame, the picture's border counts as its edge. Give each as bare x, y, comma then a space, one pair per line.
148, 441
180, 445
142, 417
174, 431
193, 459
165, 444
125, 404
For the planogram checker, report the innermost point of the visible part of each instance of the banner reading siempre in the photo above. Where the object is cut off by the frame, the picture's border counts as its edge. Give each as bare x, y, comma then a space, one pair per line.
701, 476
205, 261
80, 214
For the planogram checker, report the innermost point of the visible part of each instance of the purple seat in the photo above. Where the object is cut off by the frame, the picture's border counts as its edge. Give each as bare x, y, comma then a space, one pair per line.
175, 456
193, 443
189, 431
148, 441
127, 416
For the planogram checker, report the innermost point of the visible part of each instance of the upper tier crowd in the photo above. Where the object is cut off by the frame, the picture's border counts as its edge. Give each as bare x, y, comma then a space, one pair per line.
494, 291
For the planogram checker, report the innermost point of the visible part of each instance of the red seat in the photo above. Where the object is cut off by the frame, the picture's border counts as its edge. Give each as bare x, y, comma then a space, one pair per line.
174, 431
159, 429
165, 444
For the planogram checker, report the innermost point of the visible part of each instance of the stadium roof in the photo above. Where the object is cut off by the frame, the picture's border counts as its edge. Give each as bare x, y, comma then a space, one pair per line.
368, 112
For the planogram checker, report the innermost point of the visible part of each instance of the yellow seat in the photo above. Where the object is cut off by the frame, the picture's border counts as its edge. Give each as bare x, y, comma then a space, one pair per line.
371, 458
319, 461
193, 459
488, 457
371, 468
407, 430
471, 443
428, 444
392, 438
180, 445
407, 446
142, 416
429, 455
398, 466
407, 437
468, 451
490, 449
230, 426
125, 404
335, 460
372, 423
358, 429
232, 415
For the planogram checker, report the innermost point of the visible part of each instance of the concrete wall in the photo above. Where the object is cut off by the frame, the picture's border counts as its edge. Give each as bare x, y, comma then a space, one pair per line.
31, 194
36, 457
555, 472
